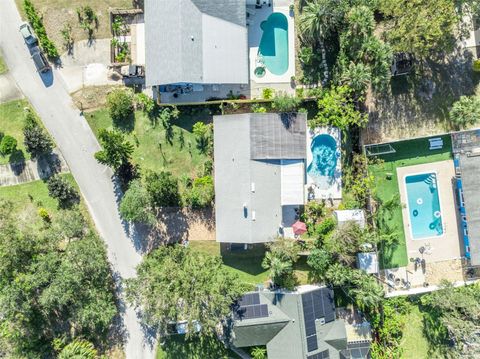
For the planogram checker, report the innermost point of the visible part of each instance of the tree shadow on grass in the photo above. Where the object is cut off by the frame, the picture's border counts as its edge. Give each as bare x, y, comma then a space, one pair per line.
248, 261
17, 162
126, 123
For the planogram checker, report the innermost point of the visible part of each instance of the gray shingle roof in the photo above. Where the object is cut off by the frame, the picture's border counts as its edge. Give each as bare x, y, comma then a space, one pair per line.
289, 339
195, 41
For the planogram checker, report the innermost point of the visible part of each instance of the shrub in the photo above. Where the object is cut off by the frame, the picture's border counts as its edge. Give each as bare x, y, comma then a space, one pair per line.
135, 205
63, 191
476, 65
43, 213
283, 102
121, 109
465, 112
163, 189
36, 21
36, 140
257, 108
8, 144
201, 194
267, 93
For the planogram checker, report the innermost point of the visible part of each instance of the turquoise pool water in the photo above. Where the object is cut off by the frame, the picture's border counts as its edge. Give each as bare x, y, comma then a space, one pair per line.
274, 43
324, 160
424, 205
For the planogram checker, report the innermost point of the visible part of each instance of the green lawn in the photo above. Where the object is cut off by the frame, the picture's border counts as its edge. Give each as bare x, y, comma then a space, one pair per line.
152, 150
414, 343
29, 197
408, 153
3, 65
176, 347
248, 264
32, 194
11, 123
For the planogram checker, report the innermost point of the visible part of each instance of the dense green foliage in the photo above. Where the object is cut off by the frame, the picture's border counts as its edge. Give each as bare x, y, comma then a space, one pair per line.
337, 108
453, 322
135, 205
201, 193
36, 21
51, 286
163, 189
177, 284
465, 112
63, 191
121, 109
8, 145
421, 27
281, 255
116, 150
36, 139
283, 102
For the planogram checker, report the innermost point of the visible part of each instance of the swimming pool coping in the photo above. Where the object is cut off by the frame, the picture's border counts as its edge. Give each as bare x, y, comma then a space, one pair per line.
408, 209
448, 247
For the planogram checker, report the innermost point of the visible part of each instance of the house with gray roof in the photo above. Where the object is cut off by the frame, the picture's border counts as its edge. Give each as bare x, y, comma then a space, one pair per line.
300, 324
196, 42
259, 175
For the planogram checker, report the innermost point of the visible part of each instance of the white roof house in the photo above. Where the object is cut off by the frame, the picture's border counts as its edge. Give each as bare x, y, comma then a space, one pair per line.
259, 175
368, 262
196, 41
350, 215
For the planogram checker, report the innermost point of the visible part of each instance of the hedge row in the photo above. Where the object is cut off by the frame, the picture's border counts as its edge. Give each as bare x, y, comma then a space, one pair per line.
36, 21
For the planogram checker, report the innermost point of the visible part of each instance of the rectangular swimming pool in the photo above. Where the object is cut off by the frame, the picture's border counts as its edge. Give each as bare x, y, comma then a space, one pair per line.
424, 205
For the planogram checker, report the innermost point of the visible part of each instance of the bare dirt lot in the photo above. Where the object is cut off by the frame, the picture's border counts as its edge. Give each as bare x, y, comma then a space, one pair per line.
56, 13
418, 104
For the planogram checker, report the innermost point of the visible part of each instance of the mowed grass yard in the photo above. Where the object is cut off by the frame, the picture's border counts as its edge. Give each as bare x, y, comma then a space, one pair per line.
408, 153
152, 150
29, 197
248, 264
57, 13
11, 123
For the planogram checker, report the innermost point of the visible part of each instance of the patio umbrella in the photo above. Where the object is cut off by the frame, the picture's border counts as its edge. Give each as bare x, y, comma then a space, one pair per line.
299, 228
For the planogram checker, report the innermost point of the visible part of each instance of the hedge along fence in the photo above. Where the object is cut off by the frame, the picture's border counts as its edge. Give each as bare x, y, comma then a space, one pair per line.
36, 21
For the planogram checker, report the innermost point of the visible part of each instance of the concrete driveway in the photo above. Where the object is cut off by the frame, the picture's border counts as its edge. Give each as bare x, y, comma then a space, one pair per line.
77, 143
87, 65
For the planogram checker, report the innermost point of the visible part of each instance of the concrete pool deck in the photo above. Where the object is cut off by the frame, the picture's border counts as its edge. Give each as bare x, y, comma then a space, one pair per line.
255, 18
448, 246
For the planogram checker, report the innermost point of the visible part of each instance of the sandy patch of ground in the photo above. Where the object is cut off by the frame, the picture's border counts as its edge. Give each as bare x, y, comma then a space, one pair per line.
56, 13
446, 270
177, 225
91, 97
418, 104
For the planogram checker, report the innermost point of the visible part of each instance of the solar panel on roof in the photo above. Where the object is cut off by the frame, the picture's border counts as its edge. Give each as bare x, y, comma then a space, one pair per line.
312, 343
252, 311
249, 299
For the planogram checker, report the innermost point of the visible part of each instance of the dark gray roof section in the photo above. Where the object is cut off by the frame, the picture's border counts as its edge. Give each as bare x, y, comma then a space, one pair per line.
195, 41
278, 136
287, 322
466, 145
248, 192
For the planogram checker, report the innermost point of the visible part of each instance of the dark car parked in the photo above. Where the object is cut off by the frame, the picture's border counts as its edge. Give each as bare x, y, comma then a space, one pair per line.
40, 60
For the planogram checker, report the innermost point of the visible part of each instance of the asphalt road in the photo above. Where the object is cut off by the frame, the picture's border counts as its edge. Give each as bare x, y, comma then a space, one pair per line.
76, 141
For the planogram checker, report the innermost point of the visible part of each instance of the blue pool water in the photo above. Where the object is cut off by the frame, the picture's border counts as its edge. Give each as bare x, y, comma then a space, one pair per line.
274, 43
424, 205
324, 160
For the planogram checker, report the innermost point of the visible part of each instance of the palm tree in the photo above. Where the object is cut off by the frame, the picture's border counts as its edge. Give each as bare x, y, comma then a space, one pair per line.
318, 19
337, 274
357, 77
368, 293
78, 349
361, 21
259, 353
278, 267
